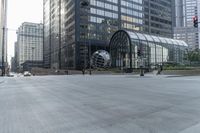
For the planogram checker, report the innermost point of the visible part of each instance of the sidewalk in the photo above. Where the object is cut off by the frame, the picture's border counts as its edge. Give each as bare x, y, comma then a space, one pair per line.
1, 81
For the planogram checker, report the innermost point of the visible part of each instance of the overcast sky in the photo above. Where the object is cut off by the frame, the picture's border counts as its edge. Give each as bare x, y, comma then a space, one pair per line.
20, 11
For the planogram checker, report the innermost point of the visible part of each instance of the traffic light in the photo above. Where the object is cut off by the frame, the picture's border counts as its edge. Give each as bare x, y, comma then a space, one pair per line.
139, 52
195, 21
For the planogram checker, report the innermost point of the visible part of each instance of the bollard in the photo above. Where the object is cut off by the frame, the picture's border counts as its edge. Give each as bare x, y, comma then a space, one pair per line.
141, 71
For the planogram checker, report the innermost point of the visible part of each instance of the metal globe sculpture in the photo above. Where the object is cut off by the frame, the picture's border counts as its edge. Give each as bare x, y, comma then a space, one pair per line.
101, 59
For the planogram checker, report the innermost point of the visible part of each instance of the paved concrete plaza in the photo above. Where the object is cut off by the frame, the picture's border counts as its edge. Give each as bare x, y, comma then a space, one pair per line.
100, 104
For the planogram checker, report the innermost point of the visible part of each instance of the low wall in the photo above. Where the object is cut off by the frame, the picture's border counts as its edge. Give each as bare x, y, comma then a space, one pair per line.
195, 72
42, 71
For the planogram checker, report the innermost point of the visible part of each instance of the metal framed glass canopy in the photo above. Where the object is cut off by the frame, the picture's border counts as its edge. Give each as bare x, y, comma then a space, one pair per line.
155, 50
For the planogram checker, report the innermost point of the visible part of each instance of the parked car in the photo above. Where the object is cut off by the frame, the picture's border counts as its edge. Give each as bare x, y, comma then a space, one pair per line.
27, 73
10, 75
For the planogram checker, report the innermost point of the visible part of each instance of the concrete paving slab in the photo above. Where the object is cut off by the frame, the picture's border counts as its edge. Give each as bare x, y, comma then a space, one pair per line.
100, 104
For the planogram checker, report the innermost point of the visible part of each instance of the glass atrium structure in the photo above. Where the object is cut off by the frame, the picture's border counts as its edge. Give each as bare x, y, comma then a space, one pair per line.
125, 45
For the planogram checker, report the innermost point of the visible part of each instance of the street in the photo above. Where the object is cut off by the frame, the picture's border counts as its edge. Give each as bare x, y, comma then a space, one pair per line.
100, 104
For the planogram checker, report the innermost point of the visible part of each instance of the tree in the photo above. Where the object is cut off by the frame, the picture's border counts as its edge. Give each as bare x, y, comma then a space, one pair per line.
193, 56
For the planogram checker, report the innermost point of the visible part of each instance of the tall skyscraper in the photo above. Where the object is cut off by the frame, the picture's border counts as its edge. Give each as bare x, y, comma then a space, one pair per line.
73, 29
29, 45
184, 29
3, 32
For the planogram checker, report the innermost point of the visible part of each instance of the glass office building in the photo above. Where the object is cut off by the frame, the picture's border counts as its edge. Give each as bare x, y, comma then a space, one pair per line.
73, 30
124, 47
184, 11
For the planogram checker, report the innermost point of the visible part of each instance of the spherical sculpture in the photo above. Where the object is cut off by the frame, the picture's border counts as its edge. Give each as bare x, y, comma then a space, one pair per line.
101, 59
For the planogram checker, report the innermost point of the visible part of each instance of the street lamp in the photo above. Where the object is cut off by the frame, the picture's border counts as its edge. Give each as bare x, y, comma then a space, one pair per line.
3, 52
85, 4
67, 59
66, 65
32, 48
58, 36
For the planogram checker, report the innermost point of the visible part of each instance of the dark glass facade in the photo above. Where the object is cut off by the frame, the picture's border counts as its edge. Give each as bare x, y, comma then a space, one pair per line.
73, 31
184, 11
47, 33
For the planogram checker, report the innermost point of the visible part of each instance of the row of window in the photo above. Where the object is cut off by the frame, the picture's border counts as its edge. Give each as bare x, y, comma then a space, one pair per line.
98, 28
132, 5
103, 13
104, 5
131, 12
103, 21
111, 1
95, 36
131, 26
131, 19
31, 31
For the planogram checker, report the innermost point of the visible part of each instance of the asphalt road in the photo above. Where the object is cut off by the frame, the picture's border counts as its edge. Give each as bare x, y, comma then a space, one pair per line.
100, 104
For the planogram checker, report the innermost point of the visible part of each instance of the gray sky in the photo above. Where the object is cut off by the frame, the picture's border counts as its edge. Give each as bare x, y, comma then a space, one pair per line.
20, 11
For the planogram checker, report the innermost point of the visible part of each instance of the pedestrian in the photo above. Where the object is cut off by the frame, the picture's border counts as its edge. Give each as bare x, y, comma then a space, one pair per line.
83, 71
